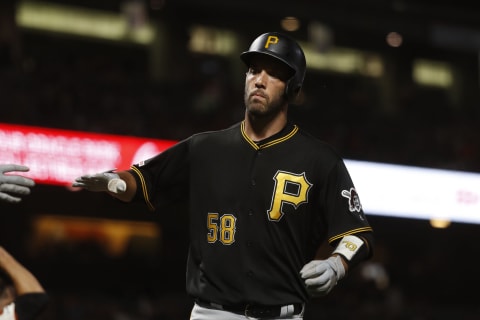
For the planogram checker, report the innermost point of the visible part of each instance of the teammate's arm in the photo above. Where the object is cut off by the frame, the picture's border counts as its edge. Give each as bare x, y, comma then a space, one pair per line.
121, 185
23, 280
29, 297
13, 186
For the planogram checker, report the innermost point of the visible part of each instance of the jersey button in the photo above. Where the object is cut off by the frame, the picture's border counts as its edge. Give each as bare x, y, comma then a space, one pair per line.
250, 273
253, 182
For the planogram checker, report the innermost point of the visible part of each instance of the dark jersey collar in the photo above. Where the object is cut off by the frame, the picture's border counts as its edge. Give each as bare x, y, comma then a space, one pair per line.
286, 133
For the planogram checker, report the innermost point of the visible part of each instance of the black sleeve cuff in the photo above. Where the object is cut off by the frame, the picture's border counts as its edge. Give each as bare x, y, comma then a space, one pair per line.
30, 305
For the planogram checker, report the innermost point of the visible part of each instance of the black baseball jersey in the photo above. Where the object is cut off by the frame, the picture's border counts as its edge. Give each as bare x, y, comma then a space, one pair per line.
258, 211
27, 306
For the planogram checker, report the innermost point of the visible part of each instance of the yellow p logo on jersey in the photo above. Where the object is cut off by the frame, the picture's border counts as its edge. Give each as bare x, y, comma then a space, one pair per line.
271, 40
281, 195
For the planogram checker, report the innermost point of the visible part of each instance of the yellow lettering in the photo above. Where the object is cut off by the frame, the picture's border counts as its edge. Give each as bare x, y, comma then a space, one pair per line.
281, 196
350, 245
225, 228
212, 227
271, 40
228, 227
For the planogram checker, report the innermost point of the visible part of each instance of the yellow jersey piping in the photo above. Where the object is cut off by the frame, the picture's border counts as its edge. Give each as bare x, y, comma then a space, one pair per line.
270, 143
144, 187
358, 230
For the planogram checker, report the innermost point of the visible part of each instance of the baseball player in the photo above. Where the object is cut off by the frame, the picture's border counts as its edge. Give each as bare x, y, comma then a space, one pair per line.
263, 196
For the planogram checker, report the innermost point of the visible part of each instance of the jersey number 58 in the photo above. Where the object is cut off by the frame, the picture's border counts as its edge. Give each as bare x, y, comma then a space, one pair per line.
221, 228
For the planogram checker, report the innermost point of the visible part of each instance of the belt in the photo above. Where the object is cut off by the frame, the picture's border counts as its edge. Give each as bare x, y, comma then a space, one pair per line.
256, 311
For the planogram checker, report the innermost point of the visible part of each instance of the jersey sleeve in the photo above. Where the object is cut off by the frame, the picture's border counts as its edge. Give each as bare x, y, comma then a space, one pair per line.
30, 305
163, 178
344, 212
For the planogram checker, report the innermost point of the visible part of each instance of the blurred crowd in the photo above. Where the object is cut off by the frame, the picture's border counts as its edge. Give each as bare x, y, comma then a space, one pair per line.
109, 90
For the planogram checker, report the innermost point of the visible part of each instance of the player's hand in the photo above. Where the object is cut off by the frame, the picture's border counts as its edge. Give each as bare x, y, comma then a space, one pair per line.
322, 275
104, 181
15, 184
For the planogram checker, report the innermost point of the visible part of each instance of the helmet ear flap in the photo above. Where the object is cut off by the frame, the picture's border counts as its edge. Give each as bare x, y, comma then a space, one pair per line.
292, 91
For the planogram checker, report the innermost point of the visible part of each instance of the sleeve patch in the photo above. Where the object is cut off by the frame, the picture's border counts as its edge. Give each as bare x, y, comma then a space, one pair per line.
353, 200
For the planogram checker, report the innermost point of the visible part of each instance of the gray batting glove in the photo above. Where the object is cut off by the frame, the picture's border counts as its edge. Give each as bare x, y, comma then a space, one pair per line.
15, 184
322, 275
104, 181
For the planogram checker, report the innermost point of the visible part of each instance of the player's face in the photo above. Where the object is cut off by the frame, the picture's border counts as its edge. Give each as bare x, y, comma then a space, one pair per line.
265, 84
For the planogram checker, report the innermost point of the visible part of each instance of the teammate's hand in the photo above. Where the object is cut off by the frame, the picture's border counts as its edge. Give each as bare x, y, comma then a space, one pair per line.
322, 275
15, 184
104, 181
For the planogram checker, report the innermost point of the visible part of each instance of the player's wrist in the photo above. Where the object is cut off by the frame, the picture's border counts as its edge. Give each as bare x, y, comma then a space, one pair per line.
116, 184
354, 249
336, 263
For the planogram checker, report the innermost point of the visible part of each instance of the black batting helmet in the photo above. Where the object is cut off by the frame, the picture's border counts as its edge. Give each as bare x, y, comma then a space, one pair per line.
285, 49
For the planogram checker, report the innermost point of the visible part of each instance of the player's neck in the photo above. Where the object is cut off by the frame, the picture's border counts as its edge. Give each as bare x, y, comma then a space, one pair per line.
260, 128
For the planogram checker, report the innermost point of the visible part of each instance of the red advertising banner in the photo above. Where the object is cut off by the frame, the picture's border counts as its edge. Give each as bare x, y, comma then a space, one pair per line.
59, 156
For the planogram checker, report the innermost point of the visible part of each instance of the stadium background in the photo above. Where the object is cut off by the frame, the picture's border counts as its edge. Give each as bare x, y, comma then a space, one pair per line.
168, 90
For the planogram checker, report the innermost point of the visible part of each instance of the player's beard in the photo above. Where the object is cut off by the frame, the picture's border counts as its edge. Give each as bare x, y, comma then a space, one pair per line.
265, 107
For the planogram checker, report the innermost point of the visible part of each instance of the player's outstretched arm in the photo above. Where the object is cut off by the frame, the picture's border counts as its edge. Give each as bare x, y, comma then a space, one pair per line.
13, 186
122, 185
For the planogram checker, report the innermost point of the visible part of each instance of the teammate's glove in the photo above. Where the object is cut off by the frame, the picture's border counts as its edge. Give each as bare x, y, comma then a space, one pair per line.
322, 275
14, 183
104, 181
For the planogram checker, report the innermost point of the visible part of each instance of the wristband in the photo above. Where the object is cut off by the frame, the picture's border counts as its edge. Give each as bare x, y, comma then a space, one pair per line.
117, 185
349, 246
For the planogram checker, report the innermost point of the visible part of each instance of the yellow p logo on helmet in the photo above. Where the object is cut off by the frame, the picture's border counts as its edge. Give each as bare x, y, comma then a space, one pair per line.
271, 40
